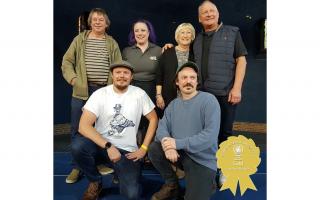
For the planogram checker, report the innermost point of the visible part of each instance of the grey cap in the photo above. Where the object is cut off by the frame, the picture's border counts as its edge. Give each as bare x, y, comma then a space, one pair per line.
121, 63
190, 64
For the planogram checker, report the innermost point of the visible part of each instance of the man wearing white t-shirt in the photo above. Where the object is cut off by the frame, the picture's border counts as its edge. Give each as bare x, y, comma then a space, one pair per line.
108, 126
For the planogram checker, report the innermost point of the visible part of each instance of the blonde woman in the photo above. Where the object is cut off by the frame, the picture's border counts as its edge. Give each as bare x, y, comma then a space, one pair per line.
169, 62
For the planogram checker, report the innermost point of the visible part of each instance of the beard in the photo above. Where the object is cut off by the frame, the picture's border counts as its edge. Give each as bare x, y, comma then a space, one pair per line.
121, 87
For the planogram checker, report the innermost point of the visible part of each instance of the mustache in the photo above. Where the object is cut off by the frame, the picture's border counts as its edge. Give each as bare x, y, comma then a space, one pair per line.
121, 79
188, 85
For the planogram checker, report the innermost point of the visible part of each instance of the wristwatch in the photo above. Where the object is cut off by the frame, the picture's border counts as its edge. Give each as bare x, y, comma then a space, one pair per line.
107, 145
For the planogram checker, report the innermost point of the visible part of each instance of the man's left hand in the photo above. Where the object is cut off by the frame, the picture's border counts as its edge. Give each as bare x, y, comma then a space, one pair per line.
234, 96
168, 143
172, 155
136, 155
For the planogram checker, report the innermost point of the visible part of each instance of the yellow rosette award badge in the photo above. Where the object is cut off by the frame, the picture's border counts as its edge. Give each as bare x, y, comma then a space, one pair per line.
238, 158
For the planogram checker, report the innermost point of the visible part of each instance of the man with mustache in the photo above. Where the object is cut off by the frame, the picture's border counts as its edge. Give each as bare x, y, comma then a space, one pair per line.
187, 136
108, 128
220, 51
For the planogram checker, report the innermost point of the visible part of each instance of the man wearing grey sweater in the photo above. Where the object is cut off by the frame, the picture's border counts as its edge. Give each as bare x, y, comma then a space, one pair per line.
187, 136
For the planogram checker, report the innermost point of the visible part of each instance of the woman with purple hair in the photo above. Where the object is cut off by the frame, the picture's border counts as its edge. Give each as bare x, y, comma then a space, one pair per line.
143, 54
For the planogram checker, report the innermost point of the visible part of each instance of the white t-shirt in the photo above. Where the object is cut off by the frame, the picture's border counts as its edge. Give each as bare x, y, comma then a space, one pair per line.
118, 115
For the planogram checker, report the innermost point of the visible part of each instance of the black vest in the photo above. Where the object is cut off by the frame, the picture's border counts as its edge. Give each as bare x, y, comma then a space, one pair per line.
221, 63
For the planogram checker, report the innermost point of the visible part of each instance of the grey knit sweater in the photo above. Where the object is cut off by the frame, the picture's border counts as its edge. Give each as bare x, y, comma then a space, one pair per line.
194, 123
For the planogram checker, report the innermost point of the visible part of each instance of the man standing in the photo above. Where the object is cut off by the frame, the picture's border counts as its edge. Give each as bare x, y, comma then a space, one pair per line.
85, 66
220, 52
187, 135
108, 126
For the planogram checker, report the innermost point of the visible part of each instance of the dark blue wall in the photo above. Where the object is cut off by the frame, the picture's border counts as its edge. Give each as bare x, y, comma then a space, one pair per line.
165, 16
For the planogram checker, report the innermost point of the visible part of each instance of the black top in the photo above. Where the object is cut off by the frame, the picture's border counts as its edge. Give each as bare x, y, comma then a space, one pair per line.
239, 50
168, 64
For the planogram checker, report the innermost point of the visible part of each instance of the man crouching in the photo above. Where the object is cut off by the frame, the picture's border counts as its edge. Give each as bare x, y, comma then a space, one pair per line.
187, 135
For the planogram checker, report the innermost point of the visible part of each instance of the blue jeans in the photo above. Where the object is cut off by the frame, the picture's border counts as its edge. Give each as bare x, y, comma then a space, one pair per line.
76, 112
228, 112
86, 154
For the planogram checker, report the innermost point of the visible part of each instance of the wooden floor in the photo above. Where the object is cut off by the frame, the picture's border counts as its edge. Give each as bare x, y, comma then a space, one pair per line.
237, 126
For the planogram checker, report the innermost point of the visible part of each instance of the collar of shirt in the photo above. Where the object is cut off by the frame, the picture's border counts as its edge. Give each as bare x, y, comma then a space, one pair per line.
211, 33
208, 34
150, 45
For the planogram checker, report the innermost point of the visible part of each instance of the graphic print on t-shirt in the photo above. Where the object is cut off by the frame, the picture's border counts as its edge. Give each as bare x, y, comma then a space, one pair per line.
119, 122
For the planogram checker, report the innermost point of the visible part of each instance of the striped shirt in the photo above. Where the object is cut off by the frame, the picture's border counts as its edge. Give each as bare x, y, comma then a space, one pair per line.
97, 60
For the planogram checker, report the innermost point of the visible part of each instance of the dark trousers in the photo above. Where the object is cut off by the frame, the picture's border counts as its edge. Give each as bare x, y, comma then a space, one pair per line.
228, 112
76, 112
150, 88
87, 154
199, 179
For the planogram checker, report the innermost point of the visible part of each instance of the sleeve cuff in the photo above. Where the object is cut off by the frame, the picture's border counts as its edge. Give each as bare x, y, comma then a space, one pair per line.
181, 143
158, 138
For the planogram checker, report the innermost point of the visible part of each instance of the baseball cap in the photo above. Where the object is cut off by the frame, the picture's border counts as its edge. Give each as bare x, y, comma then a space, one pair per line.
190, 64
121, 63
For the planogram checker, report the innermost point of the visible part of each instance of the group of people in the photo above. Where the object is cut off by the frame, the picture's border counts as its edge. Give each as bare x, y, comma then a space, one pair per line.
193, 88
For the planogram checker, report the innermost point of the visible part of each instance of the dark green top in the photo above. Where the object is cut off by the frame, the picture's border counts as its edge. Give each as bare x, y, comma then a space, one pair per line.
73, 63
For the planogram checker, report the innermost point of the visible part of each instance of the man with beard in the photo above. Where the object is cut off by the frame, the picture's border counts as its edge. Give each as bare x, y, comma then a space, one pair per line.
187, 136
108, 126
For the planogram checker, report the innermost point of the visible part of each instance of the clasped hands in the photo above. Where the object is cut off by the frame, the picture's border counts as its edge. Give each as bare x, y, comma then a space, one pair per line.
115, 155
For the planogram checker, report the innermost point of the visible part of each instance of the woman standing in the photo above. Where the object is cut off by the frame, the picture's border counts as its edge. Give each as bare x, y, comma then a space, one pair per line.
169, 62
143, 54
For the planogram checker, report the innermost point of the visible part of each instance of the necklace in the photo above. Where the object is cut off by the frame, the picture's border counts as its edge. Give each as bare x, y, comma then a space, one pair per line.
182, 49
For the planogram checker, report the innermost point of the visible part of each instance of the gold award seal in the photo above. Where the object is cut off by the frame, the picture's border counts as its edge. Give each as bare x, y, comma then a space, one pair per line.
238, 158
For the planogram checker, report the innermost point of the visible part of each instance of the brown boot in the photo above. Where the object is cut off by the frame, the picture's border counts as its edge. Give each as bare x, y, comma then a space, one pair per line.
179, 172
167, 191
92, 191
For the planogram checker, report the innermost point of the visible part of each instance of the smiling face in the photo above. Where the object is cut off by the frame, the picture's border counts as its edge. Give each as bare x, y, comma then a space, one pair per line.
122, 77
98, 23
187, 81
184, 37
141, 33
208, 16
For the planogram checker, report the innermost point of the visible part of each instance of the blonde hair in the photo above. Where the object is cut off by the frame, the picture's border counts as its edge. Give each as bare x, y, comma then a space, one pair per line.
185, 25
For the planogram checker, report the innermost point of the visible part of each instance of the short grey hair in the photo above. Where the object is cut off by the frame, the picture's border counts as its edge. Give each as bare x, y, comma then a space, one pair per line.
205, 1
185, 25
